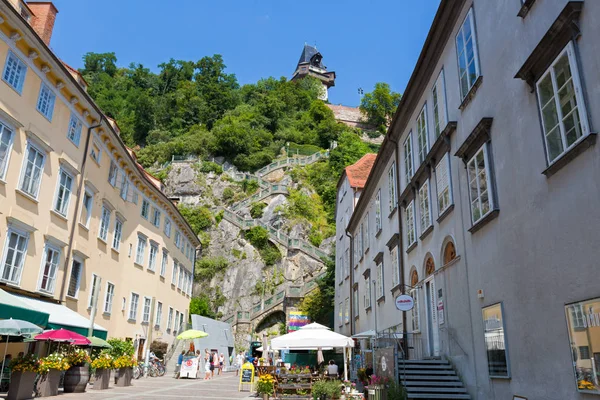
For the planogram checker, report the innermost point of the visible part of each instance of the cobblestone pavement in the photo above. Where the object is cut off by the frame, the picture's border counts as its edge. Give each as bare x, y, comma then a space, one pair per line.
224, 387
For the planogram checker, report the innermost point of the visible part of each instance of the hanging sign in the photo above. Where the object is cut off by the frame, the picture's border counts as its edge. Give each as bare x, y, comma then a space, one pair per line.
405, 302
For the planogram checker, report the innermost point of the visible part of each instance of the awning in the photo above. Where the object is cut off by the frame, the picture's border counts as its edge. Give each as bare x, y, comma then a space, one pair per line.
364, 335
63, 317
12, 307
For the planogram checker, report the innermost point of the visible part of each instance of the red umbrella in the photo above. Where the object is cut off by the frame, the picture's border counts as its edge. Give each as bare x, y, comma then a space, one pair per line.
63, 335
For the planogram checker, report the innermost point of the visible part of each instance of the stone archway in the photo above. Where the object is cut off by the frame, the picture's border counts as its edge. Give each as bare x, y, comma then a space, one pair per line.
270, 322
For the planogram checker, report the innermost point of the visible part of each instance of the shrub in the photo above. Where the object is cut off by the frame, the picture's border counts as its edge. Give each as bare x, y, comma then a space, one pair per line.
257, 236
209, 166
249, 186
159, 348
219, 217
270, 254
208, 267
315, 237
256, 209
204, 239
199, 218
228, 194
121, 347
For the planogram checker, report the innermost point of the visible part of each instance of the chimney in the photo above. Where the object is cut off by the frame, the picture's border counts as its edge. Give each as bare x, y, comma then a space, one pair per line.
42, 21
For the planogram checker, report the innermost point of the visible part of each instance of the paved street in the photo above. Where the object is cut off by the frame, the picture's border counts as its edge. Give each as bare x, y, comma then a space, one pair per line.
224, 387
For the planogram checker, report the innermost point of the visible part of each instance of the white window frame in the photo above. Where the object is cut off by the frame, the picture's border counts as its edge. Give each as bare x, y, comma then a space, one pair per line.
395, 266
33, 188
490, 190
409, 164
180, 280
347, 311
460, 51
95, 152
178, 239
380, 281
367, 296
18, 68
392, 187
176, 327
158, 316
145, 208
86, 212
167, 227
147, 310
46, 101
124, 186
117, 234
152, 258
411, 234
581, 110
164, 263
175, 272
8, 145
440, 188
439, 105
78, 278
141, 249
93, 283
108, 298
75, 128
170, 319
378, 222
104, 224
52, 268
156, 215
367, 238
422, 135
113, 172
415, 317
16, 270
61, 204
132, 313
425, 206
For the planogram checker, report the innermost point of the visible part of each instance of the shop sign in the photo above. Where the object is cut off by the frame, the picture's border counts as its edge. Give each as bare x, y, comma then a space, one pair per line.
404, 302
440, 309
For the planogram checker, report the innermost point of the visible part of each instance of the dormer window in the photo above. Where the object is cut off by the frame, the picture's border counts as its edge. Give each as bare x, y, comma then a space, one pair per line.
25, 13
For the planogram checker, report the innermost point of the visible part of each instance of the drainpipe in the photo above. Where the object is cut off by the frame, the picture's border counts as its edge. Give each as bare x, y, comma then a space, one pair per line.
351, 266
76, 213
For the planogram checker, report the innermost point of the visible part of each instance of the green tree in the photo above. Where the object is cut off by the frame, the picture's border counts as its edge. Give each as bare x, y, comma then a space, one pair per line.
319, 303
349, 150
380, 105
200, 218
201, 305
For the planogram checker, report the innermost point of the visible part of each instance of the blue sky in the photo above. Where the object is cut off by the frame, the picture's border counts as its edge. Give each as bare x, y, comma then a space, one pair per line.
363, 41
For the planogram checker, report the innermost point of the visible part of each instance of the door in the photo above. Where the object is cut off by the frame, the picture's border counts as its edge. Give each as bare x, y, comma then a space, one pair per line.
433, 334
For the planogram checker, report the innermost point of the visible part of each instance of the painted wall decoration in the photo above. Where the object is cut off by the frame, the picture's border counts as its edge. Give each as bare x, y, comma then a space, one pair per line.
297, 320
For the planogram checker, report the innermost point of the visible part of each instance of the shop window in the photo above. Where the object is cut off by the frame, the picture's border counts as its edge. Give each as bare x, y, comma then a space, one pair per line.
495, 341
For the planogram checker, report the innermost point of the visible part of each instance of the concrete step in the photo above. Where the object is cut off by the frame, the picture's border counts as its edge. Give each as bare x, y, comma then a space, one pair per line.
428, 371
428, 366
453, 383
429, 377
433, 361
439, 396
435, 390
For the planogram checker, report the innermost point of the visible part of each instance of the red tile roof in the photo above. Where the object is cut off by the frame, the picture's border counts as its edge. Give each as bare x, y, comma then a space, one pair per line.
358, 172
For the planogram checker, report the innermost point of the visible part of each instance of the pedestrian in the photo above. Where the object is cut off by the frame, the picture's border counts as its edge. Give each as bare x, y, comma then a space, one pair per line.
214, 364
199, 358
207, 367
221, 363
179, 362
239, 361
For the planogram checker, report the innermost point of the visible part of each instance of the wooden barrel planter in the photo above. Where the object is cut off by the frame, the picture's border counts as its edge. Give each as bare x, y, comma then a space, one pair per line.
124, 376
76, 379
21, 385
101, 379
47, 385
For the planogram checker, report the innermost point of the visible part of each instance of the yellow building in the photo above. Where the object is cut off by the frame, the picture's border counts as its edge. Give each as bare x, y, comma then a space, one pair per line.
78, 215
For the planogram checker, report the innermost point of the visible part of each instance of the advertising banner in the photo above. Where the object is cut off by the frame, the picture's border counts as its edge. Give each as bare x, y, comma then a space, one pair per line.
297, 320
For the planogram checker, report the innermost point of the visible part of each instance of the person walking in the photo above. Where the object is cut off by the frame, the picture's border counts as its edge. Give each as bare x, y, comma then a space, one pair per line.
179, 362
215, 364
199, 360
221, 363
239, 361
207, 362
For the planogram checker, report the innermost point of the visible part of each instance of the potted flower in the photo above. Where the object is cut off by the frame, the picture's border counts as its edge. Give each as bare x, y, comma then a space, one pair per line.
49, 369
78, 375
377, 387
102, 366
124, 366
265, 385
22, 377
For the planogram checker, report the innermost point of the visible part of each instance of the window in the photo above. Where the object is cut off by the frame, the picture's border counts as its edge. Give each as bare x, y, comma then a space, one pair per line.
438, 94
346, 259
424, 209
361, 241
153, 255
380, 292
178, 239
367, 240
395, 266
392, 187
15, 250
49, 268
134, 196
174, 275
74, 132
408, 158
355, 246
124, 186
562, 108
180, 282
133, 305
367, 292
410, 224
141, 249
584, 352
415, 311
147, 306
165, 261
170, 318
145, 208
33, 168
6, 138
104, 224
478, 171
442, 181
168, 227
158, 314
113, 172
347, 311
422, 135
468, 59
176, 328
156, 217
63, 193
95, 283
355, 302
46, 100
577, 316
378, 211
495, 341
341, 313
95, 152
86, 211
75, 278
14, 72
116, 244
108, 297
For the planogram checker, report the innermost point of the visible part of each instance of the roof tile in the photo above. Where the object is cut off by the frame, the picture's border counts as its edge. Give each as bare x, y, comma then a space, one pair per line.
358, 172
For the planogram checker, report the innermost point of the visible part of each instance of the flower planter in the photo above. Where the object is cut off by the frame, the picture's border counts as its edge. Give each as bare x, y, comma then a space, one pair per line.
76, 379
377, 392
101, 379
21, 385
265, 396
47, 385
124, 376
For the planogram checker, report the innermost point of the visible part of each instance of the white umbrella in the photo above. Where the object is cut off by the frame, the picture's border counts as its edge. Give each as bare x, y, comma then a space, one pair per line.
320, 358
16, 327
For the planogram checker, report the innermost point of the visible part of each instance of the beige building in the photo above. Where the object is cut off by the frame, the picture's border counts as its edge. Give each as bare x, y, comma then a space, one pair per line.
77, 213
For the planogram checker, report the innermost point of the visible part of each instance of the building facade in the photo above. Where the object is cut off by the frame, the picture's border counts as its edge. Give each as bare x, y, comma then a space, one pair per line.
497, 182
81, 222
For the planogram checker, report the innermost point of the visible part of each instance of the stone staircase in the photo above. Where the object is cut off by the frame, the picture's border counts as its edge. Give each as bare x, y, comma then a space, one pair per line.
172, 354
431, 379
